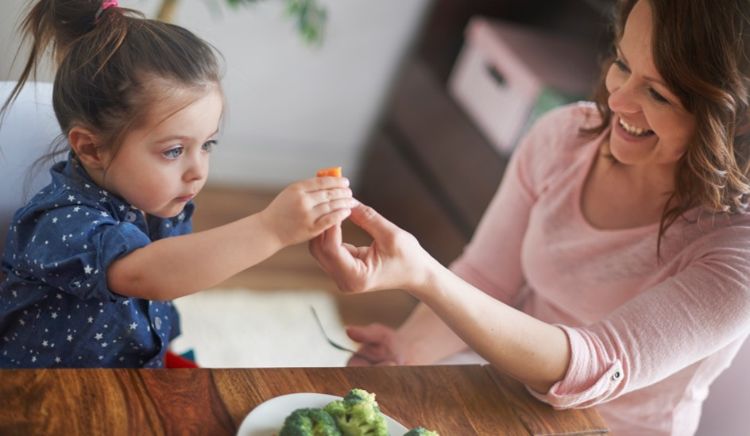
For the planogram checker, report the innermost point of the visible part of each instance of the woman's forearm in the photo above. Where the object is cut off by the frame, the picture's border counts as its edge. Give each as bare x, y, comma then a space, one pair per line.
427, 338
181, 265
534, 352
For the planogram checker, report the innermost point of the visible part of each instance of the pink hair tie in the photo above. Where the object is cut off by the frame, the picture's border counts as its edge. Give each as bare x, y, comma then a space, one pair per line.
106, 4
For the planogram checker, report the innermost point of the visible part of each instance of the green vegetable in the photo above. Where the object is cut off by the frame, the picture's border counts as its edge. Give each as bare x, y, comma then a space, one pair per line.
309, 422
421, 431
358, 414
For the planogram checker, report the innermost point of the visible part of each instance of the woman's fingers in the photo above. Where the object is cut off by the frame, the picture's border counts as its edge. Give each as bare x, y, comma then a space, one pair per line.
376, 340
372, 222
368, 333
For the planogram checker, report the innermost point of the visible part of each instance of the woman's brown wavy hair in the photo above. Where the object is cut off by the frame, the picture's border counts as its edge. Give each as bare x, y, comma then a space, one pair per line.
701, 48
111, 65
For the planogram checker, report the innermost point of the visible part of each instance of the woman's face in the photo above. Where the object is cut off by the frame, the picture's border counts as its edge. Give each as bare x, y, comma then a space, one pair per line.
650, 127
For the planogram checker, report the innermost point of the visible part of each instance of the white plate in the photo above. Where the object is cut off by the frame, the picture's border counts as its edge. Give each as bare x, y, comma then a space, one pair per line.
268, 418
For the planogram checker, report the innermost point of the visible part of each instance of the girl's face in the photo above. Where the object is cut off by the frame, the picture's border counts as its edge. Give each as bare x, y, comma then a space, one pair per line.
650, 127
162, 165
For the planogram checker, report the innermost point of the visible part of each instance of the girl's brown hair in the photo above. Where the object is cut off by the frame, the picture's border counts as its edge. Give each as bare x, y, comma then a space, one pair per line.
701, 48
112, 64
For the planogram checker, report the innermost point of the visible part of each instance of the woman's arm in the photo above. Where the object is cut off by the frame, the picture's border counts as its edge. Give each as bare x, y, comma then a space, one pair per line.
532, 351
422, 339
689, 316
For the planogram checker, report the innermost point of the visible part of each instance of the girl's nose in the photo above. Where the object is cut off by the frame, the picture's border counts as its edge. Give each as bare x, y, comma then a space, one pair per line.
197, 169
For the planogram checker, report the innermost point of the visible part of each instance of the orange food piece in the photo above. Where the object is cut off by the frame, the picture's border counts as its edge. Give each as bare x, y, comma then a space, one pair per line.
329, 172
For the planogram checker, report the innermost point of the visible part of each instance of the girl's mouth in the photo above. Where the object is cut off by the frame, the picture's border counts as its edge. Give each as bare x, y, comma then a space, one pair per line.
185, 197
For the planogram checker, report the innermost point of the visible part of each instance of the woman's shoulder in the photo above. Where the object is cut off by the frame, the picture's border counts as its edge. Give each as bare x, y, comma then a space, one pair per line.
569, 119
559, 138
564, 128
707, 232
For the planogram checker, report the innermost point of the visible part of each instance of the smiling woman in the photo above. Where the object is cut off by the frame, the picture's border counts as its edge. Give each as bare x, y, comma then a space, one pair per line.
612, 267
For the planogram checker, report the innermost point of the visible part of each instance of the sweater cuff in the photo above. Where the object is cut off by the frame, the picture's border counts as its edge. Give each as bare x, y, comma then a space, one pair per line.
589, 379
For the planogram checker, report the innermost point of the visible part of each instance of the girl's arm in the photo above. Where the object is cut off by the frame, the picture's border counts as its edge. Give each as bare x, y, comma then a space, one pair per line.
181, 265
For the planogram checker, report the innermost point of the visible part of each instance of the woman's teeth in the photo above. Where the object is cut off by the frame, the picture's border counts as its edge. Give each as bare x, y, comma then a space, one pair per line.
634, 130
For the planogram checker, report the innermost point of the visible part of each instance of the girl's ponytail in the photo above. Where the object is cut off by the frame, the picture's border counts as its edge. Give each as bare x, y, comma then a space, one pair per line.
56, 25
108, 61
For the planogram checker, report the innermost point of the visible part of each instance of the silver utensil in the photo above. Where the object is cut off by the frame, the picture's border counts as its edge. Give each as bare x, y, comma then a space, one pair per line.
333, 343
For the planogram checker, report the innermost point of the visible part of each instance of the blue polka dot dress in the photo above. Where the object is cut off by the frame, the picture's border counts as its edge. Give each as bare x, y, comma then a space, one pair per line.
55, 307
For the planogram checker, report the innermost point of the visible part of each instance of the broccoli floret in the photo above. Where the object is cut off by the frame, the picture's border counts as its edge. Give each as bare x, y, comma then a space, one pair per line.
309, 422
421, 431
358, 414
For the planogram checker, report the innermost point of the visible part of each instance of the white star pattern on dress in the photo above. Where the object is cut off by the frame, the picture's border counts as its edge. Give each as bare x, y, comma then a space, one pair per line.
48, 316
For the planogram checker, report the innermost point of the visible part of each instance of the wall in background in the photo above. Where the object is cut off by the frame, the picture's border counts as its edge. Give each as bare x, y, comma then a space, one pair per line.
291, 108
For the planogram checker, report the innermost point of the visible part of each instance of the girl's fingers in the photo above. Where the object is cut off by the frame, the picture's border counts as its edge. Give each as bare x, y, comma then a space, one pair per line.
327, 195
334, 205
330, 219
317, 183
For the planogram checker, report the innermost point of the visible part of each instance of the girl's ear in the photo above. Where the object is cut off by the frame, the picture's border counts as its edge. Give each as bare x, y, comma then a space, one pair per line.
84, 144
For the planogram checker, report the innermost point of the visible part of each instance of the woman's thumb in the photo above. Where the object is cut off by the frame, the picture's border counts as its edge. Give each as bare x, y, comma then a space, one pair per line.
371, 221
366, 333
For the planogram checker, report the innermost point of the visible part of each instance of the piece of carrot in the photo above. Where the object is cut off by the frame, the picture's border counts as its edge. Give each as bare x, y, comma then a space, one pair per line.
329, 172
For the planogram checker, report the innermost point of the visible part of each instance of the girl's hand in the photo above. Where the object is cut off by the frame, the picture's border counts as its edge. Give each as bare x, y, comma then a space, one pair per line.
305, 209
394, 260
379, 346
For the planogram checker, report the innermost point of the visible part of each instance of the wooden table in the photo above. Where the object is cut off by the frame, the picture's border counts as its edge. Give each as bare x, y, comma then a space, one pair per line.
454, 400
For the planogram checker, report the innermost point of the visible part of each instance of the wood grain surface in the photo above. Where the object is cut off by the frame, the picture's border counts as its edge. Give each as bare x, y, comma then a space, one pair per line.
453, 400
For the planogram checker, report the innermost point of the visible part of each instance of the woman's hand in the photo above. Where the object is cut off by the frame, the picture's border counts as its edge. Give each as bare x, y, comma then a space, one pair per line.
305, 209
379, 346
394, 260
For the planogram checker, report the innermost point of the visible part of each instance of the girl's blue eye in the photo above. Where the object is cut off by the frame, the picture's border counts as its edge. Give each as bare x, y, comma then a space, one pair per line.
173, 153
209, 145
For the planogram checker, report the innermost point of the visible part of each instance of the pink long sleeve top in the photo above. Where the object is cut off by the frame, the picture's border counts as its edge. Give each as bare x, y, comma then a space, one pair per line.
647, 336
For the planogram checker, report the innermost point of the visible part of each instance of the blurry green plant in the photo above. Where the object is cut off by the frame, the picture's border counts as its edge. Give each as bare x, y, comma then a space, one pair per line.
309, 15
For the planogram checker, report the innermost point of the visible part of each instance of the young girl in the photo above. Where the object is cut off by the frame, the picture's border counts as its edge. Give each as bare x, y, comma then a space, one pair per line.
612, 268
93, 260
